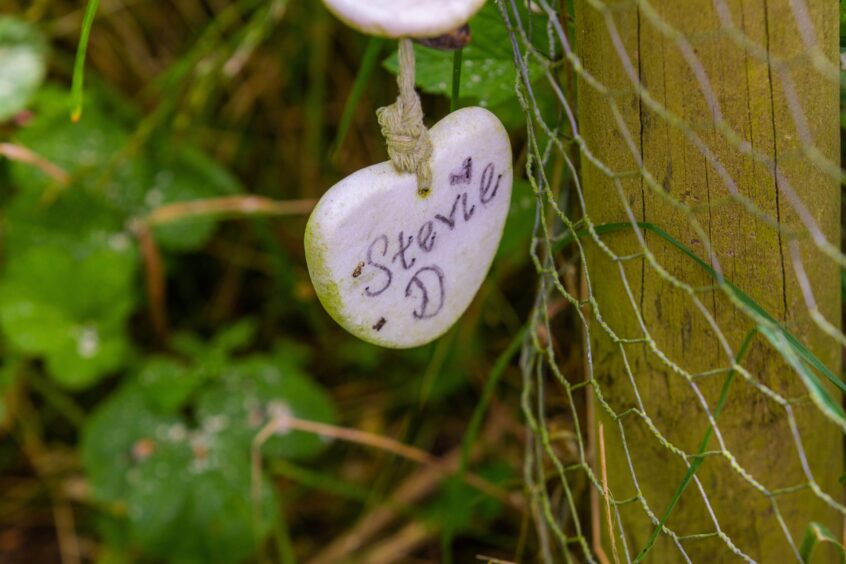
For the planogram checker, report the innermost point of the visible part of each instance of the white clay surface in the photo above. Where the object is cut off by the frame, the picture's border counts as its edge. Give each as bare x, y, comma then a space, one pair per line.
397, 269
404, 18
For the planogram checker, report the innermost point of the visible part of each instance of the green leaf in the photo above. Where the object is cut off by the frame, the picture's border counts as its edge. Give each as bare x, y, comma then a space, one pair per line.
487, 67
89, 353
220, 509
516, 235
797, 355
185, 487
168, 384
793, 345
74, 221
112, 182
22, 64
815, 535
31, 325
48, 308
212, 357
236, 336
86, 150
819, 394
458, 505
184, 176
158, 487
186, 492
253, 390
122, 431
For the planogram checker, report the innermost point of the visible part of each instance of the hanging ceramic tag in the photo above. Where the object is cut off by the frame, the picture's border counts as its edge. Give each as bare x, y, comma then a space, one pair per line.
396, 268
404, 18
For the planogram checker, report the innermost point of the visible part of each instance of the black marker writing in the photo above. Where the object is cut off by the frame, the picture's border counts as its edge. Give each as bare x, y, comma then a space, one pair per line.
451, 220
467, 213
426, 236
427, 284
466, 174
383, 268
426, 278
485, 193
401, 252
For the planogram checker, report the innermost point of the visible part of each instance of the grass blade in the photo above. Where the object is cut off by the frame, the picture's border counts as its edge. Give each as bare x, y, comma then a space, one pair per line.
456, 79
797, 355
697, 461
817, 534
475, 424
819, 395
368, 63
765, 319
79, 63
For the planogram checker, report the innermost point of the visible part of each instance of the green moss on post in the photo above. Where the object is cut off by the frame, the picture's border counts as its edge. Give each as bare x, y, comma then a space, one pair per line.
751, 254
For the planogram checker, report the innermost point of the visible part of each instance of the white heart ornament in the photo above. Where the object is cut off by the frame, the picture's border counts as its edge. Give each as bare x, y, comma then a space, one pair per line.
397, 269
404, 18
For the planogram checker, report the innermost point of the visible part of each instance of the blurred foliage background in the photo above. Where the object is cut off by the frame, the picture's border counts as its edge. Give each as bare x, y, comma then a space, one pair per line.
149, 340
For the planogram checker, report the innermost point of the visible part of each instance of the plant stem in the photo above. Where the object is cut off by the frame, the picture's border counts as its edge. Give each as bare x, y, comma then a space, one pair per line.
79, 63
699, 458
456, 78
368, 63
473, 427
233, 206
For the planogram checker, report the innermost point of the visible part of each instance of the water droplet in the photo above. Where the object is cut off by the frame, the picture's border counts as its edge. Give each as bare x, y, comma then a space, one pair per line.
177, 432
119, 242
215, 423
280, 412
87, 342
154, 198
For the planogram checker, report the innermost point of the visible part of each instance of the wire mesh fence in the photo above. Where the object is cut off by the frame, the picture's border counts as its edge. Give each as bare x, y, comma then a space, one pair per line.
690, 172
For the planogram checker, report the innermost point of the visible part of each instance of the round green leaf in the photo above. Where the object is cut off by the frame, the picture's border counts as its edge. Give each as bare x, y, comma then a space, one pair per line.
186, 491
185, 176
253, 391
22, 64
70, 309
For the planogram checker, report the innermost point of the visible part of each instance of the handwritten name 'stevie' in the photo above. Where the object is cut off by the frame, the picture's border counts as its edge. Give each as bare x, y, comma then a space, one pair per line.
398, 269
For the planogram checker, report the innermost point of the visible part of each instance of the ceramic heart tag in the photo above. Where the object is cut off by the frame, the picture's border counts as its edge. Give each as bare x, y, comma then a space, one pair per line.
404, 18
397, 269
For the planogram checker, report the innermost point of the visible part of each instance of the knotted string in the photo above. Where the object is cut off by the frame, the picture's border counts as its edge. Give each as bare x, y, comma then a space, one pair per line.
409, 145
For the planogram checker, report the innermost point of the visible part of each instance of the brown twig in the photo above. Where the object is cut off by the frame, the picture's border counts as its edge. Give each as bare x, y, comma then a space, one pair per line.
23, 155
492, 560
231, 206
595, 515
607, 495
364, 438
255, 474
155, 279
383, 443
409, 492
399, 546
46, 468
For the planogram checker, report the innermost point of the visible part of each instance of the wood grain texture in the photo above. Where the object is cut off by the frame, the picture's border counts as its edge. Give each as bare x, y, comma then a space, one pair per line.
749, 97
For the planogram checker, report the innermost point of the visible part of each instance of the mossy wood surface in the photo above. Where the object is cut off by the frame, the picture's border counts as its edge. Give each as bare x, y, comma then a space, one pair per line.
751, 254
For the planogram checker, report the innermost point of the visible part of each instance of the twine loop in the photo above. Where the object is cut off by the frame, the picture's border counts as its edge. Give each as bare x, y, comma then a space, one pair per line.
406, 136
